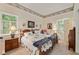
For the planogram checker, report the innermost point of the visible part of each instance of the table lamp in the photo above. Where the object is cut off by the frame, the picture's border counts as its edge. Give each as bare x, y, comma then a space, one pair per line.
13, 29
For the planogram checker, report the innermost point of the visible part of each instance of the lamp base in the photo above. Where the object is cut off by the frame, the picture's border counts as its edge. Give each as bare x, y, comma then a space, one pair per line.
12, 35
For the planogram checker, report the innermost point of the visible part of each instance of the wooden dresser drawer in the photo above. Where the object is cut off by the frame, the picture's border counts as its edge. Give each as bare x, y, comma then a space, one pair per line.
11, 44
15, 43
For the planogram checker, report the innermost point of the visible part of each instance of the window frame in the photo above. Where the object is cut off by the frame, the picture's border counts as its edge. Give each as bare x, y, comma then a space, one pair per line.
5, 13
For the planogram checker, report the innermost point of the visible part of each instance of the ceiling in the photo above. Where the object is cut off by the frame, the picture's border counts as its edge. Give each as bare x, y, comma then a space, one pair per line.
46, 8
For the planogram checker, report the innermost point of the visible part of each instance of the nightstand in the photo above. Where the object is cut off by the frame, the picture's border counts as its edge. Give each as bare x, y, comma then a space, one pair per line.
11, 43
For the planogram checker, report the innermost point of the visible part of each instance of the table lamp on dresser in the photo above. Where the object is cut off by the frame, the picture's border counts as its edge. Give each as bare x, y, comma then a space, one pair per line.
13, 30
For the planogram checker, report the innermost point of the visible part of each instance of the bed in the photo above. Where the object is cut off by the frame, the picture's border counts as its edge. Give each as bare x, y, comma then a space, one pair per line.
39, 45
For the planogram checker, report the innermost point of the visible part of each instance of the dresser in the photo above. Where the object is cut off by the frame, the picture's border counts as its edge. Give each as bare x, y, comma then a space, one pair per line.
71, 37
11, 43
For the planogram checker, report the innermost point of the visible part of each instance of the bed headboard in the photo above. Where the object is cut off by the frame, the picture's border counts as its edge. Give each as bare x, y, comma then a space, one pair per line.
26, 30
23, 31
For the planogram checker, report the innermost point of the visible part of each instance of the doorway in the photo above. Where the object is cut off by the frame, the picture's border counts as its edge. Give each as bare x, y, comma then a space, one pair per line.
63, 27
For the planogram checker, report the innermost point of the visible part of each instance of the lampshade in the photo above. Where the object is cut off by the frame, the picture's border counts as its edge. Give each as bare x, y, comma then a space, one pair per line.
13, 28
55, 28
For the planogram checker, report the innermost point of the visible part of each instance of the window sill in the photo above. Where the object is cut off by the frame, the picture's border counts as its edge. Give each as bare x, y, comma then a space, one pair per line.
1, 35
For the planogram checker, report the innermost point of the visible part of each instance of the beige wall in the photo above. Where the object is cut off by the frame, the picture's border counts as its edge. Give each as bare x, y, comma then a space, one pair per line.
55, 19
76, 23
23, 16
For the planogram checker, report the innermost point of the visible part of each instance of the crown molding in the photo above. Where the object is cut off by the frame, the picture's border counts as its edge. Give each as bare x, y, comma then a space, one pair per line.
36, 13
25, 9
60, 12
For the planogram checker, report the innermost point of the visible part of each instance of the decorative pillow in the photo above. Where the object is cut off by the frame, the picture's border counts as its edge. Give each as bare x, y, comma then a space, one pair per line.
25, 34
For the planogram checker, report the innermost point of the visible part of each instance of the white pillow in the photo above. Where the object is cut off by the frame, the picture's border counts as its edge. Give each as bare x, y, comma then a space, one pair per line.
25, 34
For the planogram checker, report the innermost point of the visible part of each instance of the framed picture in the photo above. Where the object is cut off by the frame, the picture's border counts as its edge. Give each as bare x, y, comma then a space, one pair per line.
49, 25
31, 24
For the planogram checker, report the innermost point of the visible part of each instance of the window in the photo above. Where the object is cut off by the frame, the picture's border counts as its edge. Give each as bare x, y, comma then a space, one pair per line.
60, 28
8, 21
61, 25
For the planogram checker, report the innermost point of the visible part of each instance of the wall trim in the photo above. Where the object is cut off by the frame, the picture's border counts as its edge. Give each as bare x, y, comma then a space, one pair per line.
38, 14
